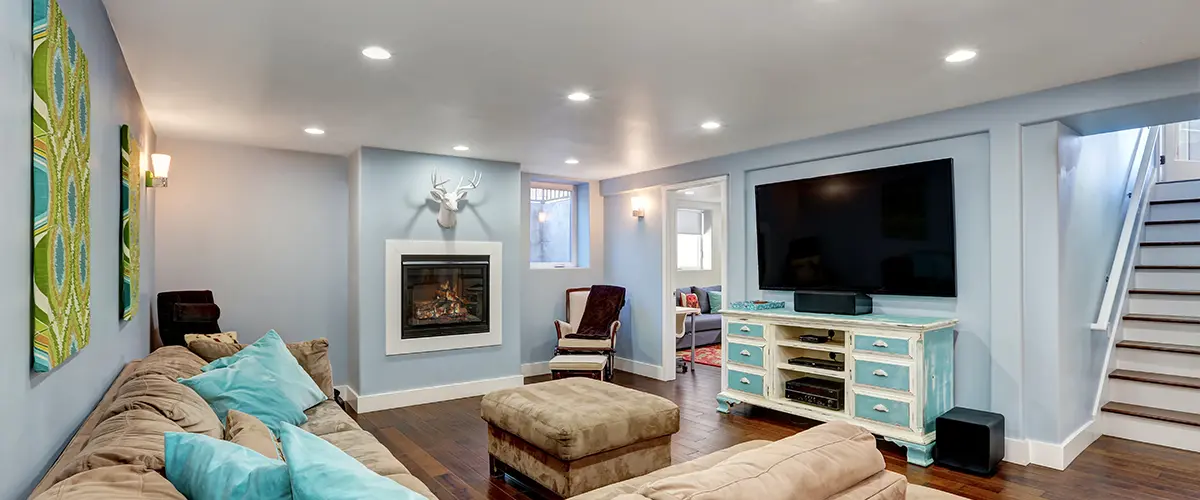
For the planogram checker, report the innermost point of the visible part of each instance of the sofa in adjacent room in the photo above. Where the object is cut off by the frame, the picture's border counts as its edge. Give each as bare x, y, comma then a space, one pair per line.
708, 323
120, 447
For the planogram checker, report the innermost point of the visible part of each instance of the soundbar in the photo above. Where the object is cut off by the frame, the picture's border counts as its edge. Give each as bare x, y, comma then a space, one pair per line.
845, 303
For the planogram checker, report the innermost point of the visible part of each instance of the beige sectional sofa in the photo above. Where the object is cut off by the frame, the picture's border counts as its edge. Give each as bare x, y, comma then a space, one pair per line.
118, 451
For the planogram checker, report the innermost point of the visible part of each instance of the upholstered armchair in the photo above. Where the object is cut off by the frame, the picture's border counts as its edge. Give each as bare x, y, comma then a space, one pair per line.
576, 303
184, 312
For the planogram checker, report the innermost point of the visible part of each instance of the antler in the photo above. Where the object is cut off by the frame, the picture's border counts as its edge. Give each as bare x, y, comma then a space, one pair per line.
474, 182
438, 185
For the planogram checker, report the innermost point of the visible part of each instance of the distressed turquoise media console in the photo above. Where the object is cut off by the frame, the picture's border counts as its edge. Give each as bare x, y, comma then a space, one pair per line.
898, 371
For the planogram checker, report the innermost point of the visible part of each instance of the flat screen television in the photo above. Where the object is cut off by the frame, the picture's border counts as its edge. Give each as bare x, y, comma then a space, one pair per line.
885, 231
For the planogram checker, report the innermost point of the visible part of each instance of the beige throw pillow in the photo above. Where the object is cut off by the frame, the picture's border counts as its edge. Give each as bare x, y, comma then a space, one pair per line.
249, 431
223, 337
132, 482
817, 463
312, 355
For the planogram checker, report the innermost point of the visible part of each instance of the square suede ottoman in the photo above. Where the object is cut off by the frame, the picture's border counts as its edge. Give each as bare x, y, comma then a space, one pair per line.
577, 434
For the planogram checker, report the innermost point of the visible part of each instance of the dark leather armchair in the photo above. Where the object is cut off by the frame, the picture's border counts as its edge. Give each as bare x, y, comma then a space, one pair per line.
185, 312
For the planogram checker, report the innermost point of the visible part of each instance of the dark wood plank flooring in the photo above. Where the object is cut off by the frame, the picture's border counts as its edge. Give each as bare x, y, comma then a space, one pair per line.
445, 445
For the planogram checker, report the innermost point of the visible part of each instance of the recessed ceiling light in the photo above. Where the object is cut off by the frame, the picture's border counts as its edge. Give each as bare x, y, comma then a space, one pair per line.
571, 161
579, 96
462, 147
314, 131
963, 55
689, 193
710, 125
377, 53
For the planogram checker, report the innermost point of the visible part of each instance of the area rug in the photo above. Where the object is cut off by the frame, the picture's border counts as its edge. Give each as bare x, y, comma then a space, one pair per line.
708, 355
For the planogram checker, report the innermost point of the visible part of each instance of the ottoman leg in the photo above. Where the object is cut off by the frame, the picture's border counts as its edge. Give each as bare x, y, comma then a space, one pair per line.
495, 467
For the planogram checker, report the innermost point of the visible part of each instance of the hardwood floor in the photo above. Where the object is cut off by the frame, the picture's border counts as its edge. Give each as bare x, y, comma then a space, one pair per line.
445, 445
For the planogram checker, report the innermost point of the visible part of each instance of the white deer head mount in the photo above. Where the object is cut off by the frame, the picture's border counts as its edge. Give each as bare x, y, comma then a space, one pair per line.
447, 216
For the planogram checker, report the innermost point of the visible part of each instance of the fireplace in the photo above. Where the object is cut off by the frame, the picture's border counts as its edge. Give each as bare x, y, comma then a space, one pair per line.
444, 295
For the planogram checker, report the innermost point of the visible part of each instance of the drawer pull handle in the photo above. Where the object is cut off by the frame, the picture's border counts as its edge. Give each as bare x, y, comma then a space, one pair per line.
881, 409
879, 373
745, 353
745, 329
745, 381
880, 343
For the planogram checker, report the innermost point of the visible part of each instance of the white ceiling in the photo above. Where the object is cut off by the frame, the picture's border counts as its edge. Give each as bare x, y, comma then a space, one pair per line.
493, 74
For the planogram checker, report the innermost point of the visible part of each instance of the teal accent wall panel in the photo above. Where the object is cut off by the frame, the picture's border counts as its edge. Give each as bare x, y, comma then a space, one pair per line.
939, 375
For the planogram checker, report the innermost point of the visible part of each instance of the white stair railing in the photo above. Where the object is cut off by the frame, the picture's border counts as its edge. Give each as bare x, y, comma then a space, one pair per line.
1112, 305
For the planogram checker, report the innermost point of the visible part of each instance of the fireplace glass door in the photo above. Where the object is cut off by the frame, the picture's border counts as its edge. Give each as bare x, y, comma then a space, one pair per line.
444, 295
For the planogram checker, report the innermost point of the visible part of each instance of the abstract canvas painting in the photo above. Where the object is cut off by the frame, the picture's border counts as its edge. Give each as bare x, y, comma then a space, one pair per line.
131, 216
61, 190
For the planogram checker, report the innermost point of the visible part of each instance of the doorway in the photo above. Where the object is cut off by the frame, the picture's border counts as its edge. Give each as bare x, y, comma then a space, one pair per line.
695, 245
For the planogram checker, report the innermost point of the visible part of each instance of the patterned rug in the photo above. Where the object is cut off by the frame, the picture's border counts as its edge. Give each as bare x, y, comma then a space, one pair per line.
708, 355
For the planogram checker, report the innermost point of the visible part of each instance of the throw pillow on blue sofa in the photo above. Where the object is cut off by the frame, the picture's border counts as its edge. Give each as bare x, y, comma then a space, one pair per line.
204, 468
251, 387
321, 471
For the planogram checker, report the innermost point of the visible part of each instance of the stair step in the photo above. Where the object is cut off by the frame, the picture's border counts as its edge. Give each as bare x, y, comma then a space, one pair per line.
1169, 222
1177, 417
1160, 347
1162, 318
1170, 243
1156, 378
1174, 202
1149, 291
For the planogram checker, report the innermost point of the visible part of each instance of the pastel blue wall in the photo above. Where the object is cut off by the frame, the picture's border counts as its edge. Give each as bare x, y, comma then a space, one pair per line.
39, 413
1135, 99
971, 227
633, 259
392, 190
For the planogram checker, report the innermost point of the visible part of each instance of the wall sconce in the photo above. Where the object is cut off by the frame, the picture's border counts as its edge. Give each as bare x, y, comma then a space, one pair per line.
541, 216
162, 169
639, 206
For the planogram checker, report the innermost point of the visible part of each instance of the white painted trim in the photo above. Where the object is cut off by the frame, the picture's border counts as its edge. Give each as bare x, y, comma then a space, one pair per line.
1016, 451
1055, 456
535, 369
645, 369
395, 250
411, 397
349, 395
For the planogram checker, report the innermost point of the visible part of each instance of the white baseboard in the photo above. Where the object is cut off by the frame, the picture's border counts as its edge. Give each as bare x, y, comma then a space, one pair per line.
384, 401
535, 369
1055, 456
349, 395
640, 368
1016, 451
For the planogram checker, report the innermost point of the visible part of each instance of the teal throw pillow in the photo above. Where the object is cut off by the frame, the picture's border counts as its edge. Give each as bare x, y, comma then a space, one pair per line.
203, 468
251, 387
320, 471
714, 300
274, 354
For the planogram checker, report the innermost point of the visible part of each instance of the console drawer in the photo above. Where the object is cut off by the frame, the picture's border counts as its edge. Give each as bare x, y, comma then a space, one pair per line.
745, 354
884, 411
884, 375
744, 329
882, 345
746, 382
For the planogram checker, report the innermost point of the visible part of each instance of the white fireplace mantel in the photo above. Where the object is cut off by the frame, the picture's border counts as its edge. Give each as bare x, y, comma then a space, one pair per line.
395, 251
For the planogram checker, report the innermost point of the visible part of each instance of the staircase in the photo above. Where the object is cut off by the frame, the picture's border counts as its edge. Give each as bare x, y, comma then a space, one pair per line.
1153, 391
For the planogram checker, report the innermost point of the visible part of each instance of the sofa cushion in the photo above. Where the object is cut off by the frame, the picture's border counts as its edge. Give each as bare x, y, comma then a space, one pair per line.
884, 485
246, 430
699, 464
576, 417
411, 482
704, 322
328, 418
322, 471
171, 362
134, 437
180, 404
250, 386
223, 337
313, 356
817, 463
132, 482
366, 449
203, 468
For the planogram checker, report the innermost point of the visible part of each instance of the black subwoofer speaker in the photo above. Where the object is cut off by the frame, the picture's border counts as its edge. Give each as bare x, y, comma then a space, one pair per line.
970, 441
849, 303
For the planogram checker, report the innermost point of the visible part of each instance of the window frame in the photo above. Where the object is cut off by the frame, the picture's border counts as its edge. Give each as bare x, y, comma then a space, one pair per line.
703, 251
573, 188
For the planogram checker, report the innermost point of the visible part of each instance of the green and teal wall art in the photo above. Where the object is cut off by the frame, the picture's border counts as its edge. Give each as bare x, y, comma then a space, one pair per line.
61, 190
131, 216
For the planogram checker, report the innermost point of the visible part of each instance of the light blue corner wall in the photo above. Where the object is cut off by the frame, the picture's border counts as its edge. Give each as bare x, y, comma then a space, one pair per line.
393, 203
543, 291
40, 413
1135, 99
972, 235
633, 259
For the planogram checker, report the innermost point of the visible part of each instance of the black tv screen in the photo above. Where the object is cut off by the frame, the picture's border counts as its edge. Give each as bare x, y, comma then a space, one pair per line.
885, 231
